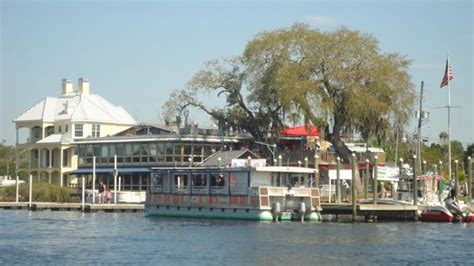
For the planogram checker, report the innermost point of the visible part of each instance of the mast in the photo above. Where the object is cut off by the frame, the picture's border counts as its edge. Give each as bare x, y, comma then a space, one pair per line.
449, 121
420, 117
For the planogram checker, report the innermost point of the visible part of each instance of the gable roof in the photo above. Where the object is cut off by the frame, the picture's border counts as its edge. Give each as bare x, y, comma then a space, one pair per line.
77, 108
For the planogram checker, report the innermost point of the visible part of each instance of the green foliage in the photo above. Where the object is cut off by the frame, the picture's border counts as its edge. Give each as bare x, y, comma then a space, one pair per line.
42, 192
7, 161
303, 73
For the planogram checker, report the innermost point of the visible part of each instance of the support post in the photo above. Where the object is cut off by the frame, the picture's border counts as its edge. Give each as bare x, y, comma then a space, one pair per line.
115, 179
306, 162
93, 179
316, 172
338, 179
415, 183
219, 162
353, 188
280, 160
375, 186
83, 193
190, 160
367, 179
31, 192
456, 178
17, 188
469, 180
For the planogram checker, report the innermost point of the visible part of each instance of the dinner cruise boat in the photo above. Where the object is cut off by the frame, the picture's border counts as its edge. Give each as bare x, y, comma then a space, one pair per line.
262, 193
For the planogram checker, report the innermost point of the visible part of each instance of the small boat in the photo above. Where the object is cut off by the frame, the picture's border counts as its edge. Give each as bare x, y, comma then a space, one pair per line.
6, 181
263, 193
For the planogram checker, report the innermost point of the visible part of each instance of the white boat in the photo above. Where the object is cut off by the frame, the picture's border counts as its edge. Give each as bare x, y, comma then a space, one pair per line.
244, 193
6, 181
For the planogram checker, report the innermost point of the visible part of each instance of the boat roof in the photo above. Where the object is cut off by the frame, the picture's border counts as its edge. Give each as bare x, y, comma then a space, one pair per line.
278, 169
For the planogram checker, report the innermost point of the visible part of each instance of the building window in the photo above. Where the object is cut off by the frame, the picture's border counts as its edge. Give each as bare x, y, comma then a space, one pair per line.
65, 158
59, 129
78, 130
66, 128
95, 130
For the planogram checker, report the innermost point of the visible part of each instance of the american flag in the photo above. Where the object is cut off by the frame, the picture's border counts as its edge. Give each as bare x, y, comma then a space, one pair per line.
448, 74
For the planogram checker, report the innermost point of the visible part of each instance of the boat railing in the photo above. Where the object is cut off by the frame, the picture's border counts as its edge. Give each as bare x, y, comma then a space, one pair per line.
239, 190
199, 189
218, 190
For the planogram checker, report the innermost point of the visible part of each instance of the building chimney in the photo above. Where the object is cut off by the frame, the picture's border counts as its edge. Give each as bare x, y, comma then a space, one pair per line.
66, 86
83, 86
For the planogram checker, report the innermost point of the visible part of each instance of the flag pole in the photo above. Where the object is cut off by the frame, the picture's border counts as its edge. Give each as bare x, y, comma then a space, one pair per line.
449, 119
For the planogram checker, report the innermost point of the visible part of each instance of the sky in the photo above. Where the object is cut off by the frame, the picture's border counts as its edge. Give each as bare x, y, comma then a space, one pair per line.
134, 53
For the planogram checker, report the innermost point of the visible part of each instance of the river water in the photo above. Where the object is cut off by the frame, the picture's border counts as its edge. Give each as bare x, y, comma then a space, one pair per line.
46, 237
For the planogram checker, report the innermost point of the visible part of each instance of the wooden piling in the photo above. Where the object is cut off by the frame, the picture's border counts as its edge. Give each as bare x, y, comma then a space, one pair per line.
366, 181
353, 187
338, 180
375, 186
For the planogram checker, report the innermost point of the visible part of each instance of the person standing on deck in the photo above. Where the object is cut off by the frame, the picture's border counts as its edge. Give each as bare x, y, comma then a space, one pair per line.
101, 192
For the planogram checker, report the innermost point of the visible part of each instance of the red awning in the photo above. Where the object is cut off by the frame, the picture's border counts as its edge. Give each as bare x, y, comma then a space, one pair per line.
300, 131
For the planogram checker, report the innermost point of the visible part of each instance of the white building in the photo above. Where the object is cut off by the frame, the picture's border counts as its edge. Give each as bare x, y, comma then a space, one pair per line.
55, 122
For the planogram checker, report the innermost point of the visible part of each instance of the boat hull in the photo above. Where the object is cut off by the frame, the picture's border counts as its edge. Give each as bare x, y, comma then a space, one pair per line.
224, 213
209, 213
436, 214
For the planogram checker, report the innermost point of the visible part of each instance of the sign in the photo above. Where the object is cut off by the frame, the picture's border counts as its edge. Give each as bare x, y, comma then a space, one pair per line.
244, 162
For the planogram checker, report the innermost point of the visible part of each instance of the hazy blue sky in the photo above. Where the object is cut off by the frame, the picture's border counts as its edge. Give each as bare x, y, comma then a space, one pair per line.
135, 53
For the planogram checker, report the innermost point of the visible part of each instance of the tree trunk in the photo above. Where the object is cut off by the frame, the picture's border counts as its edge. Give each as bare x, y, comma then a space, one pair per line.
344, 152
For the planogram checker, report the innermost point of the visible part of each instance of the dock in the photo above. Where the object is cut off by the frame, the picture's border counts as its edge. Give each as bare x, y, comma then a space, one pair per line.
367, 211
53, 206
372, 211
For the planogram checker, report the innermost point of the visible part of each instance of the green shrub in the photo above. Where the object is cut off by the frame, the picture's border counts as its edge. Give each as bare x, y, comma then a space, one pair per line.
42, 192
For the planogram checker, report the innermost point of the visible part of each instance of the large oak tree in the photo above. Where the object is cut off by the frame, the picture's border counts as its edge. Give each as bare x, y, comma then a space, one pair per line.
338, 80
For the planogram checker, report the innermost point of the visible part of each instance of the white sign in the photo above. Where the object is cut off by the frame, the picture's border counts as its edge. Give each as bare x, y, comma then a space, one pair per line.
387, 173
244, 162
344, 174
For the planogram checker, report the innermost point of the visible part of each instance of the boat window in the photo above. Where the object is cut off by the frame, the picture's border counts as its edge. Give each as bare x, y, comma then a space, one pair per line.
181, 182
218, 183
157, 179
217, 179
166, 183
238, 182
199, 180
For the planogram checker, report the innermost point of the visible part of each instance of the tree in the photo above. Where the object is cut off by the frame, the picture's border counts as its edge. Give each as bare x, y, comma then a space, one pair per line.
252, 104
339, 76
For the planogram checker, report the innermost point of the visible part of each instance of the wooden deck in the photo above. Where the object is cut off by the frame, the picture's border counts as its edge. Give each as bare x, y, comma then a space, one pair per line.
52, 206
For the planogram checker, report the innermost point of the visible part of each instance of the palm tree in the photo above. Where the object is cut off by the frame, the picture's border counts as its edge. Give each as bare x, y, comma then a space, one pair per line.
443, 136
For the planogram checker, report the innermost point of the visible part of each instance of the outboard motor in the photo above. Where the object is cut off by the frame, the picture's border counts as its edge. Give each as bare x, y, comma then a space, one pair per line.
276, 210
454, 208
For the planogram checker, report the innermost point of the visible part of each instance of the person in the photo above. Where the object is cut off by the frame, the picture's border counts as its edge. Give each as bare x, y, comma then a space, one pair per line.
109, 195
452, 188
101, 192
346, 190
382, 190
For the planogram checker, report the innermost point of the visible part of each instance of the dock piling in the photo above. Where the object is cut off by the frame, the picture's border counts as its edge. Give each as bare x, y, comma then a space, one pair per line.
366, 181
31, 192
353, 187
456, 179
83, 193
338, 179
375, 185
469, 178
